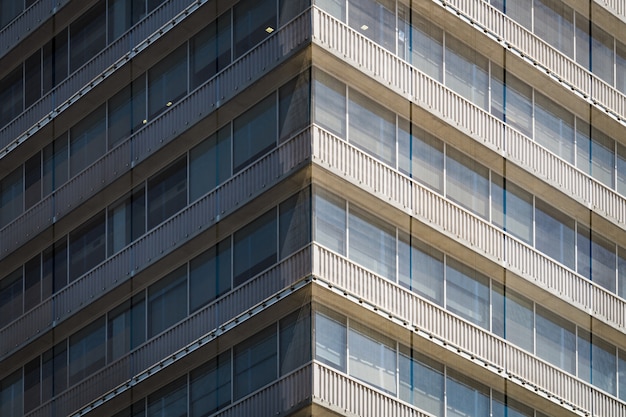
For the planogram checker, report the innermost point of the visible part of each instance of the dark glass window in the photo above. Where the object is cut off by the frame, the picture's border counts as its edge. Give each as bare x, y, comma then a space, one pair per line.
32, 82
295, 223
126, 327
32, 387
295, 340
123, 14
126, 220
54, 371
87, 246
170, 401
254, 132
167, 301
11, 196
11, 297
210, 386
55, 164
255, 247
11, 92
167, 81
32, 181
209, 275
294, 99
54, 272
11, 395
254, 21
255, 362
87, 351
34, 291
88, 36
88, 141
210, 163
167, 192
127, 111
210, 50
55, 59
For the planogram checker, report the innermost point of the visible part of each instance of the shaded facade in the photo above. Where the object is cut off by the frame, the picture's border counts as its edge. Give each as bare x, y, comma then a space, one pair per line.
337, 207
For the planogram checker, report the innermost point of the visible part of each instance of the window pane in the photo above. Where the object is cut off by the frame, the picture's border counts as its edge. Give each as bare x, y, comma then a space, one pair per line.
425, 46
421, 381
255, 362
597, 362
11, 395
502, 406
167, 81
254, 20
55, 61
595, 153
54, 268
87, 246
295, 340
210, 50
583, 38
331, 339
32, 79
554, 23
596, 258
466, 397
330, 221
55, 164
294, 223
33, 288
555, 234
254, 132
294, 99
288, 9
372, 127
372, 358
167, 192
209, 275
11, 297
11, 96
556, 340
11, 196
126, 220
9, 9
372, 243
32, 181
467, 293
123, 14
167, 301
420, 155
602, 53
87, 36
210, 163
255, 247
512, 317
336, 8
127, 111
169, 401
375, 19
621, 373
329, 103
87, 141
32, 387
512, 208
467, 182
620, 66
467, 72
87, 351
554, 128
54, 371
126, 327
421, 268
210, 386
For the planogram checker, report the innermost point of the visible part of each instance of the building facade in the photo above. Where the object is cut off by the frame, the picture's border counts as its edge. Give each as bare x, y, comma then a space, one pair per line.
312, 208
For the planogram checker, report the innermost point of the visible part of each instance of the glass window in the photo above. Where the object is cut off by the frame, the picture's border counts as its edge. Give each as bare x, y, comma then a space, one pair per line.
583, 38
595, 153
210, 386
467, 293
329, 106
372, 127
34, 290
294, 100
423, 47
167, 192
32, 181
55, 61
375, 19
467, 182
621, 374
554, 23
32, 79
255, 362
602, 55
11, 297
209, 50
126, 220
518, 10
126, 327
330, 221
420, 155
11, 395
555, 234
32, 387
336, 8
420, 268
620, 66
556, 340
169, 401
123, 14
167, 81
88, 141
597, 362
87, 351
554, 127
9, 9
87, 246
621, 169
512, 317
467, 72
421, 381
88, 36
596, 258
295, 340
55, 164
294, 223
209, 275
11, 196
372, 243
330, 339
127, 111
54, 265
512, 100
11, 96
255, 247
254, 132
138, 409
210, 163
167, 301
503, 406
466, 397
372, 357
512, 208
254, 20
621, 272
54, 371
289, 9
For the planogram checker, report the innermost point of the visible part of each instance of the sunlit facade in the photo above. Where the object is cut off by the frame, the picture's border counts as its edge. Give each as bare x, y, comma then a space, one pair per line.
312, 208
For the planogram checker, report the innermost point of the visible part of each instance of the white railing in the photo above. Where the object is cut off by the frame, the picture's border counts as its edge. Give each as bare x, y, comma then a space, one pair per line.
439, 100
459, 335
431, 208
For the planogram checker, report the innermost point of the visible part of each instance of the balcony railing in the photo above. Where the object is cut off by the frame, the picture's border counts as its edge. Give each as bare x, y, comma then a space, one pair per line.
460, 336
439, 100
443, 215
170, 235
161, 131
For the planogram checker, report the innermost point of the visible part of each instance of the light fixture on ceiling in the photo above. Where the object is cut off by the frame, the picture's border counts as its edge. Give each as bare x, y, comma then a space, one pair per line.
169, 103
364, 27
269, 29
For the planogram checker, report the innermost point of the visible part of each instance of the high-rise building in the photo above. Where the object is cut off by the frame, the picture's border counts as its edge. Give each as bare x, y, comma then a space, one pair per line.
312, 208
